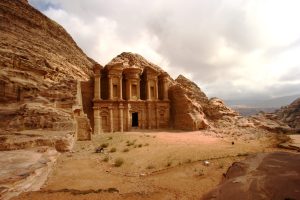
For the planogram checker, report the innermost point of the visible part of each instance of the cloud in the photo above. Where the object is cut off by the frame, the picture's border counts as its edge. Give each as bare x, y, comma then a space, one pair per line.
232, 49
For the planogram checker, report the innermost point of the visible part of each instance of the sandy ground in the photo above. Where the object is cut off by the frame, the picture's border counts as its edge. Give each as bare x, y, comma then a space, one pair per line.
157, 165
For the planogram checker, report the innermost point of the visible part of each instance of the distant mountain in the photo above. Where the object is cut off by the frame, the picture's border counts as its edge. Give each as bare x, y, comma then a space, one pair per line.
263, 103
248, 107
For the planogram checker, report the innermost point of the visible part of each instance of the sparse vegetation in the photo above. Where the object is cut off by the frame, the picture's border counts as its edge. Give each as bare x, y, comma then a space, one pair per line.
242, 154
112, 150
188, 161
140, 145
125, 150
200, 173
129, 143
150, 166
104, 145
110, 138
105, 159
221, 165
169, 163
119, 162
147, 144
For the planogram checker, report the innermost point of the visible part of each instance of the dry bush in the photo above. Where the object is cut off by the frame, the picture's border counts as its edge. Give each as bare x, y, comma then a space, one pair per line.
119, 162
112, 150
104, 145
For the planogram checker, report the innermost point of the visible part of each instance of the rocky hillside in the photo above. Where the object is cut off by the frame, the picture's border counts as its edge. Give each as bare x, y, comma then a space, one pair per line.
40, 67
191, 109
40, 70
290, 114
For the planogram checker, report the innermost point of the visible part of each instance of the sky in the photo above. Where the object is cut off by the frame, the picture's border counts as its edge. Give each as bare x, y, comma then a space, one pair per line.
233, 49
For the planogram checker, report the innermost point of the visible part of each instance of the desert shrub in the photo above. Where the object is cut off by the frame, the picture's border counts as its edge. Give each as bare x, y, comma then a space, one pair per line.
105, 159
242, 154
125, 150
188, 161
150, 166
146, 144
104, 145
221, 165
130, 143
169, 163
119, 162
140, 145
113, 150
110, 138
201, 172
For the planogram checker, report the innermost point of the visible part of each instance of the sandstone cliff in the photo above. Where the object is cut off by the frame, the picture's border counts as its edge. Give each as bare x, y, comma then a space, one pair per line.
290, 114
191, 109
40, 97
40, 67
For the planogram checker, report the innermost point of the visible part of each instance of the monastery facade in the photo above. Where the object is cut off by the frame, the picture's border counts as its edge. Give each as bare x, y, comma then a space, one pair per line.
130, 97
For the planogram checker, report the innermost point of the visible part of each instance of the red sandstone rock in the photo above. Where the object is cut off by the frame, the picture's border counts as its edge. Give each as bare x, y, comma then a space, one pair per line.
264, 176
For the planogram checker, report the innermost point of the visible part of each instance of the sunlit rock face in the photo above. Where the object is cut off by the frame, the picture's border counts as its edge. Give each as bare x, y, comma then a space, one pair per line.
290, 114
40, 67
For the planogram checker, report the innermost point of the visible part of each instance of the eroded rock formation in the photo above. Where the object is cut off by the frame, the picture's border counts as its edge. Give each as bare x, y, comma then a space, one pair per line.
40, 67
290, 114
40, 70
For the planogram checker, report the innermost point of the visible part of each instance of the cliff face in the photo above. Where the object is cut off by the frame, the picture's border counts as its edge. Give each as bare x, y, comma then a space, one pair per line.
40, 98
290, 114
40, 66
191, 109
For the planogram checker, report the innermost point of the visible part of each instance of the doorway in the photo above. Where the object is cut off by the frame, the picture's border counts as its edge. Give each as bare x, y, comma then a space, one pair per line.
135, 119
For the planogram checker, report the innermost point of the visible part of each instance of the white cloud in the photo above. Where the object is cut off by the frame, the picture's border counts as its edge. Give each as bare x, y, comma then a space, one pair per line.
231, 48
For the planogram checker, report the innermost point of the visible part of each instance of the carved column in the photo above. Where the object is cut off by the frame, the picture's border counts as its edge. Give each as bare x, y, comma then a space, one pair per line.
156, 89
148, 90
128, 117
166, 87
138, 90
110, 88
111, 119
127, 89
149, 116
121, 107
120, 88
97, 87
157, 116
97, 122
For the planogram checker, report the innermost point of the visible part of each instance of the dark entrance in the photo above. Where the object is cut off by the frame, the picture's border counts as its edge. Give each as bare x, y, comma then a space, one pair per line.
135, 119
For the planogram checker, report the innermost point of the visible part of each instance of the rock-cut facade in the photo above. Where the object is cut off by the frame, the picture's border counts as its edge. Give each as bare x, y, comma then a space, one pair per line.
130, 97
